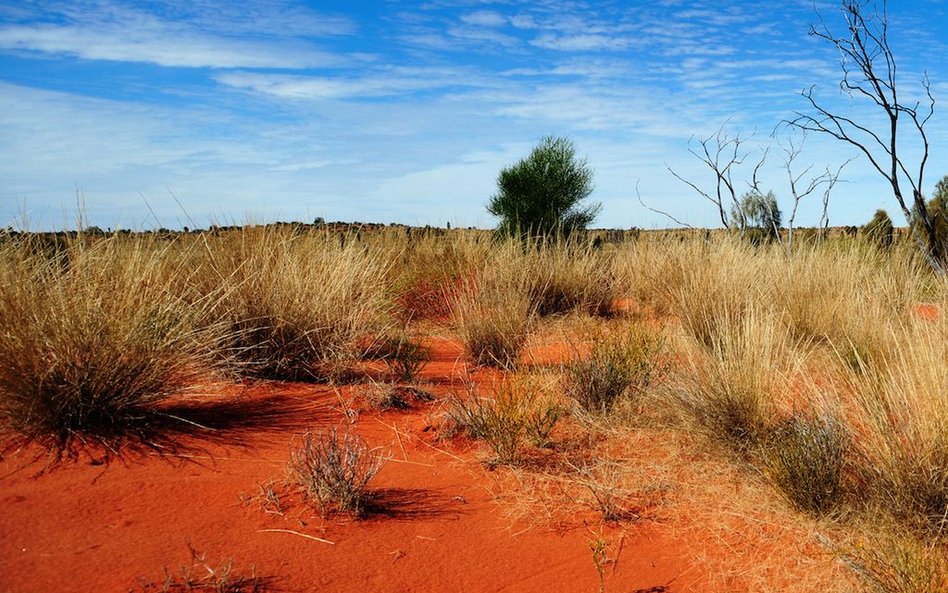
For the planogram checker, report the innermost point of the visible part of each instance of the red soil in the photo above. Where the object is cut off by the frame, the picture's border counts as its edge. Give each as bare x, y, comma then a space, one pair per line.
928, 311
101, 525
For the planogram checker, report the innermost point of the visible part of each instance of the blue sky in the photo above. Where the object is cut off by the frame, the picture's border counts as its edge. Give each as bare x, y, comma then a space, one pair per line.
405, 112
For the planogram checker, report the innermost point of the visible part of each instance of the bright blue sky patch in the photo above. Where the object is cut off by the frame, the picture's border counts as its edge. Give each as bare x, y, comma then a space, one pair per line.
405, 112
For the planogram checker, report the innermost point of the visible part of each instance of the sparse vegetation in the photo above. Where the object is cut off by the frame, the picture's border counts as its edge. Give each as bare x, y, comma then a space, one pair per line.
814, 368
201, 577
333, 469
618, 367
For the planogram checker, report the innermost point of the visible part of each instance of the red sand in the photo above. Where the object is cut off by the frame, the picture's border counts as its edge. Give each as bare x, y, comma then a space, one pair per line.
99, 527
928, 311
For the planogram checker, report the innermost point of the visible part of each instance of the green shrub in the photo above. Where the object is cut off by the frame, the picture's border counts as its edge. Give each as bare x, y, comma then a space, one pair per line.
615, 369
513, 415
806, 458
542, 194
404, 357
879, 231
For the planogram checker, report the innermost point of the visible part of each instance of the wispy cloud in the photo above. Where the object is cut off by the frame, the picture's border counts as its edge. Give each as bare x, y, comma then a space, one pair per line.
484, 18
120, 33
386, 82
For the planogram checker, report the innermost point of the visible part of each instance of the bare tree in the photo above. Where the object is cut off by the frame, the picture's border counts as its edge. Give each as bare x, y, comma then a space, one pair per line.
802, 184
869, 71
723, 154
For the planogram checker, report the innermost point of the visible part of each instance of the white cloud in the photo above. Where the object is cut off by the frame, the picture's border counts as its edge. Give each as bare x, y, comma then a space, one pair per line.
484, 18
587, 42
212, 35
156, 44
382, 83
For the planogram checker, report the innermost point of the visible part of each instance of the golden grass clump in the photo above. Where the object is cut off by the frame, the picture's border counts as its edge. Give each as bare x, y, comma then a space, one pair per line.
570, 277
736, 382
899, 407
92, 339
494, 311
713, 284
297, 304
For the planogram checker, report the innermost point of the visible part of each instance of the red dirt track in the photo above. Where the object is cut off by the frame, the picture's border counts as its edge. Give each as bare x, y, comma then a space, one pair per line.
100, 526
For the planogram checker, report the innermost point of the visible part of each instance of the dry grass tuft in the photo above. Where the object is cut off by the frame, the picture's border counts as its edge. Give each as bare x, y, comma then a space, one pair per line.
93, 340
618, 367
334, 469
298, 304
209, 579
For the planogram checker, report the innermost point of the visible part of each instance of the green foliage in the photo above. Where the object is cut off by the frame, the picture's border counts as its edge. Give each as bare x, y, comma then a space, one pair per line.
761, 215
879, 231
404, 357
615, 369
937, 209
805, 457
514, 415
542, 194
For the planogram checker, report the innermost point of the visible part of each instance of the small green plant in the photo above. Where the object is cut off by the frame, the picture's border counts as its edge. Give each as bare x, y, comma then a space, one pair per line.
806, 458
505, 421
615, 369
540, 422
404, 357
201, 577
334, 469
600, 557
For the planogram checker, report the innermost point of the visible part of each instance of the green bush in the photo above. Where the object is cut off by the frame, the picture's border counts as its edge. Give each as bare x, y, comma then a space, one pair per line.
879, 231
615, 369
806, 458
542, 195
515, 414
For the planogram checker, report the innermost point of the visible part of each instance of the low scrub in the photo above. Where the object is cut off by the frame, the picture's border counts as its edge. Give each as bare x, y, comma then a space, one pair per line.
618, 368
570, 278
404, 356
92, 341
334, 469
516, 413
806, 458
